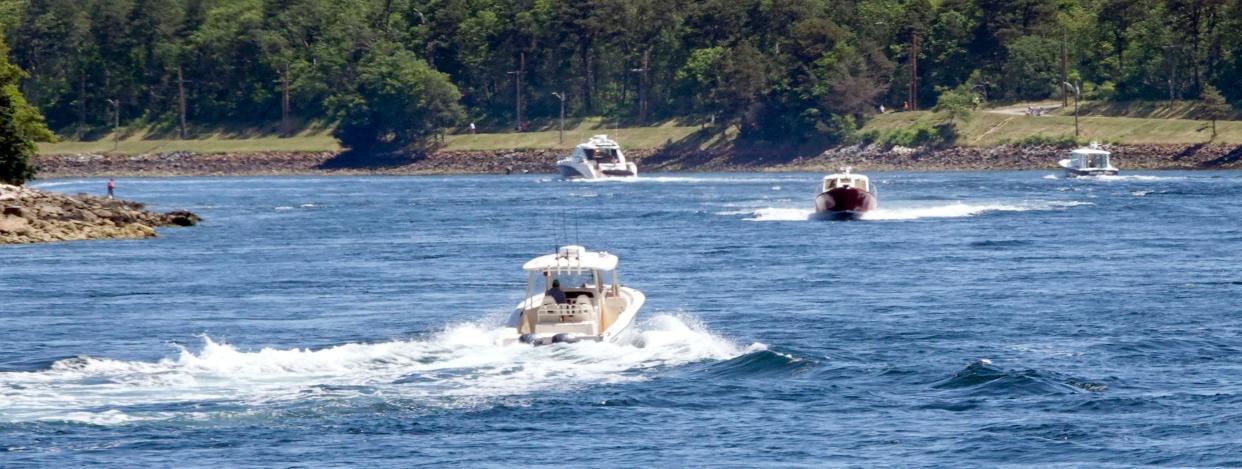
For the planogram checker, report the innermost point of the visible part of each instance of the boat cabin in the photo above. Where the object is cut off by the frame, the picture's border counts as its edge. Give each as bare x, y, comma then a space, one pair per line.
600, 150
846, 179
592, 294
1092, 157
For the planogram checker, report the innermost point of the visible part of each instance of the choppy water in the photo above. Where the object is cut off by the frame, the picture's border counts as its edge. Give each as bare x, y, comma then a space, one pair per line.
976, 319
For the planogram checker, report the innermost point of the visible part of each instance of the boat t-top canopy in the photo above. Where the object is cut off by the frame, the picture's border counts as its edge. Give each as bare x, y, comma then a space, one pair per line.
1094, 149
597, 142
569, 258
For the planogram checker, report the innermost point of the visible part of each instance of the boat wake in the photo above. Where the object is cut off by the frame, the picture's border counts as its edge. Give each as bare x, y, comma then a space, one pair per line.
1132, 177
678, 180
953, 210
458, 367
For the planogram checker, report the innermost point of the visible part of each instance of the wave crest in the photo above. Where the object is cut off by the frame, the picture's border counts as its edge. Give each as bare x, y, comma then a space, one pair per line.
952, 210
459, 366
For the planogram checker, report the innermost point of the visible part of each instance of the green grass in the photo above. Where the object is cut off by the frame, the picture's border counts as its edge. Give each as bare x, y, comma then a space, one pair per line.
575, 132
320, 139
984, 129
987, 128
308, 141
1142, 109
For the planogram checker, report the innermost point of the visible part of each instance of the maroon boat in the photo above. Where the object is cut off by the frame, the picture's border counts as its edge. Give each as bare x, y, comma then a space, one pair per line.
845, 196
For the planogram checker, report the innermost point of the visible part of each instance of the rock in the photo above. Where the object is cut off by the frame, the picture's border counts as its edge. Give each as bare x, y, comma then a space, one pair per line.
182, 218
14, 225
32, 216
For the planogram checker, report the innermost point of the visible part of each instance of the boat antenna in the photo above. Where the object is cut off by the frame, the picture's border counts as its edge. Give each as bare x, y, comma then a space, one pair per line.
561, 237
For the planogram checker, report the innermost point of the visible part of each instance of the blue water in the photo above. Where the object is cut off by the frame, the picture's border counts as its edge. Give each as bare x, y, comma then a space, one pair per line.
977, 319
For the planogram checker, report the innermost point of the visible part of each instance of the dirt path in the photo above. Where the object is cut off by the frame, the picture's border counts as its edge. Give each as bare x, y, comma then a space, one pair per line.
1021, 108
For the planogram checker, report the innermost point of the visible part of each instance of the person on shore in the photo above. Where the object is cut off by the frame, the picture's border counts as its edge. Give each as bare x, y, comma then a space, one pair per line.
111, 187
881, 109
905, 106
555, 292
472, 128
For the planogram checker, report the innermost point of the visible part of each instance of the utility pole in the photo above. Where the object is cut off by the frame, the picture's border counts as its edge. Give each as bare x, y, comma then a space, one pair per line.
1064, 66
181, 100
561, 96
1077, 91
285, 129
642, 87
82, 104
116, 123
517, 88
914, 72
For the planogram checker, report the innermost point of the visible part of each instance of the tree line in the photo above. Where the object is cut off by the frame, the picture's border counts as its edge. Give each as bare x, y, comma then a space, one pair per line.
393, 72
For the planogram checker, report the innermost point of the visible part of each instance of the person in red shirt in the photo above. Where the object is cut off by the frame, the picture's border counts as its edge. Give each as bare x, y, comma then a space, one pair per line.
111, 187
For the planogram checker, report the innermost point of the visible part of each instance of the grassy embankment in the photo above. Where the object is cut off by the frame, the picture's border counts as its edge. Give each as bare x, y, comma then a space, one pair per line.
213, 142
546, 137
1113, 123
1137, 123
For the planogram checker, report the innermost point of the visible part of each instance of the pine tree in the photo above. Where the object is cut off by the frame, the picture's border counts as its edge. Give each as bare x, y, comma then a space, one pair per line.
15, 146
20, 125
1214, 105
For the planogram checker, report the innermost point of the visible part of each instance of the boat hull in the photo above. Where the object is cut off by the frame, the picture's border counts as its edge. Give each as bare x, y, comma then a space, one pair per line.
1086, 173
845, 203
1072, 171
571, 169
574, 171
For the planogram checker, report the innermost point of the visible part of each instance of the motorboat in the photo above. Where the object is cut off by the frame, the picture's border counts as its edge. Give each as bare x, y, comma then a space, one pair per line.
845, 196
572, 295
597, 158
1088, 161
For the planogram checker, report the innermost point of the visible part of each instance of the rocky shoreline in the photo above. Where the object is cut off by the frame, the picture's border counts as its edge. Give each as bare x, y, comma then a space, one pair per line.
33, 216
870, 158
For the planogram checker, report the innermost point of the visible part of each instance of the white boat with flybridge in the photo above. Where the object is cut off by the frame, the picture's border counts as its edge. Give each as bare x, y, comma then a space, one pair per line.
597, 158
573, 295
1088, 161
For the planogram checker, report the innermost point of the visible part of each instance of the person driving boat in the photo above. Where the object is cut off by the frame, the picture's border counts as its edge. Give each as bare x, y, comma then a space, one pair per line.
555, 292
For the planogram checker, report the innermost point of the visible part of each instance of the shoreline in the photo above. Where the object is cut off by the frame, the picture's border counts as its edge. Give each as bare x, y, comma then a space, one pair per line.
769, 159
37, 216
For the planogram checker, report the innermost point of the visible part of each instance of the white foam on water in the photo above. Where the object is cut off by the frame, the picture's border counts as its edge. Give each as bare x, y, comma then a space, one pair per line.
1132, 177
459, 367
961, 209
45, 185
951, 210
682, 180
780, 214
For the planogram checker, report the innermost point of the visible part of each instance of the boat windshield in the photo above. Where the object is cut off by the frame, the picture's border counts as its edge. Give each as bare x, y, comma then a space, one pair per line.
1097, 161
607, 155
842, 182
571, 279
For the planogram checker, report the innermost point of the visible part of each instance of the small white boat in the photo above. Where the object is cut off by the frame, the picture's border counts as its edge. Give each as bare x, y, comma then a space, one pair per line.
597, 158
571, 296
1087, 162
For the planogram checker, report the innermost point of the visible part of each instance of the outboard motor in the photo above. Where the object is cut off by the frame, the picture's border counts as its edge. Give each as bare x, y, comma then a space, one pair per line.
565, 338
